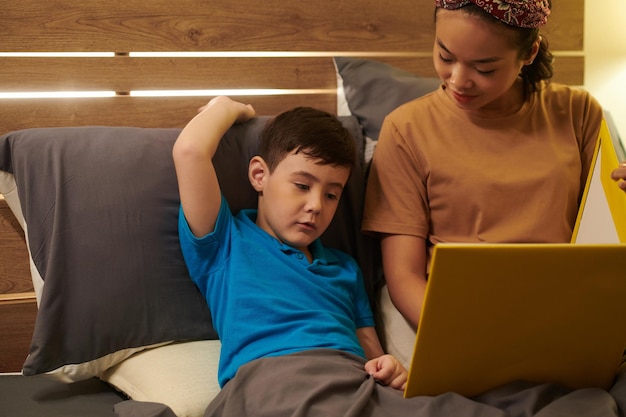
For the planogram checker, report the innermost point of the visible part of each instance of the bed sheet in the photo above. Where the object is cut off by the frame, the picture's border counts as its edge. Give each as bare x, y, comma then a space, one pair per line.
45, 396
313, 382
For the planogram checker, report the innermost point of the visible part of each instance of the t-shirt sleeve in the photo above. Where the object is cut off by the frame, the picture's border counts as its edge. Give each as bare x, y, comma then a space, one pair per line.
203, 254
395, 200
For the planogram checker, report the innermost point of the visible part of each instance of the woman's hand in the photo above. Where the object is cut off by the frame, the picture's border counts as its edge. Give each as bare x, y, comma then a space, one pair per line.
387, 370
619, 175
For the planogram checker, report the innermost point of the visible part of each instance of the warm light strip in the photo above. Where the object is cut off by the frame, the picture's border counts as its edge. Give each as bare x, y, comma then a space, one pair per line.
237, 54
229, 92
57, 54
213, 54
166, 93
17, 297
298, 54
569, 53
56, 94
273, 54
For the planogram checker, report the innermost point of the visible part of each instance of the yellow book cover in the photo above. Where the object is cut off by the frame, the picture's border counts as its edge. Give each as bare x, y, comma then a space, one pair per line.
602, 214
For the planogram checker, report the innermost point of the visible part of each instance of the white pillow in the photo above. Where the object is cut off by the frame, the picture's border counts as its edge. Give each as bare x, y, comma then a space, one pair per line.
77, 372
343, 109
397, 333
342, 102
182, 376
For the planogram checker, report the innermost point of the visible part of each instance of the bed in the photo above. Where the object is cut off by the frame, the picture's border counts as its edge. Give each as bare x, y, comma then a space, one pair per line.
92, 285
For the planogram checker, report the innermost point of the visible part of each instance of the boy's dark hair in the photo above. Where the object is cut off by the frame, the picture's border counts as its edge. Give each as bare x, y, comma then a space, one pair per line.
316, 133
522, 39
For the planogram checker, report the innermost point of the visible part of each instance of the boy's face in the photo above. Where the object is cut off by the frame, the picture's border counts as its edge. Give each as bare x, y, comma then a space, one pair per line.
298, 200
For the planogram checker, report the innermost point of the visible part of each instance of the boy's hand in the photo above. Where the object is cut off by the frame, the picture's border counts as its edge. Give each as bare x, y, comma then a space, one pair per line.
387, 370
619, 175
243, 111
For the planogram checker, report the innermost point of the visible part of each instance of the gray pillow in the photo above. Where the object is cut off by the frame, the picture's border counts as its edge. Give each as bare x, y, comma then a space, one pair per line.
101, 207
373, 89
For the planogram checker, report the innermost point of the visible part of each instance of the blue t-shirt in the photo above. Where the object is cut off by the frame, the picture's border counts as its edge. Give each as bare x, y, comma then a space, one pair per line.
265, 297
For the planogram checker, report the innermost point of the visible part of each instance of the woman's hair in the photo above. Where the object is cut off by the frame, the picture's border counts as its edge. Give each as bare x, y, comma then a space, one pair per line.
317, 134
522, 39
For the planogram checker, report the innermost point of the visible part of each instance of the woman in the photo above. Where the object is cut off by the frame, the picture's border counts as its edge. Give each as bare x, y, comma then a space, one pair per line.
497, 154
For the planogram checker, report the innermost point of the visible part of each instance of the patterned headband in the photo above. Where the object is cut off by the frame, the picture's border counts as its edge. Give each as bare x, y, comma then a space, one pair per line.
520, 13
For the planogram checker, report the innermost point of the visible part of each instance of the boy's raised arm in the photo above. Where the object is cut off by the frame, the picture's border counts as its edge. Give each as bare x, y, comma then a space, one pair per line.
193, 154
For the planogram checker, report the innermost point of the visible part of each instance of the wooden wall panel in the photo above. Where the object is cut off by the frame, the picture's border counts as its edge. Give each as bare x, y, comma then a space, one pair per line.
14, 264
124, 74
18, 306
212, 25
135, 111
569, 70
565, 28
219, 25
17, 320
370, 27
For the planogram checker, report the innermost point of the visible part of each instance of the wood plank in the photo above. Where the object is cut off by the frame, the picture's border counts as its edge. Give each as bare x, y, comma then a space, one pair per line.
17, 321
218, 25
125, 73
569, 70
212, 25
14, 263
565, 28
136, 111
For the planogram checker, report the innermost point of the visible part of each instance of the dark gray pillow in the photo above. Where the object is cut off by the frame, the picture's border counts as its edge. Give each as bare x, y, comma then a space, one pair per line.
373, 89
101, 207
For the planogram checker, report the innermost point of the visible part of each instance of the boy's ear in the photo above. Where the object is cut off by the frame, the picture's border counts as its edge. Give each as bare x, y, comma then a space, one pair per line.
257, 171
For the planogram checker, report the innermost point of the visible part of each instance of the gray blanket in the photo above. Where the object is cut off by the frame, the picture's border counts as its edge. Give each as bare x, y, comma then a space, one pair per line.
327, 383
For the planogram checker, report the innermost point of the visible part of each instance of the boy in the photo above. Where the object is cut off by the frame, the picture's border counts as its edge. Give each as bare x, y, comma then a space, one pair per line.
273, 289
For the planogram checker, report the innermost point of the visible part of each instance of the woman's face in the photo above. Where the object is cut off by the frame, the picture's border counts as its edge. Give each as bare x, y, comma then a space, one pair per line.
477, 63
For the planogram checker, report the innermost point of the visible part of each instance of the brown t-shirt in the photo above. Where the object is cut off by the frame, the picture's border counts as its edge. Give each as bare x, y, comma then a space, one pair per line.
446, 176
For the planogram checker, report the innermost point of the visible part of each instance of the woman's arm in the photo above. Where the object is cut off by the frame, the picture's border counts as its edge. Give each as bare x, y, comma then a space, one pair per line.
404, 265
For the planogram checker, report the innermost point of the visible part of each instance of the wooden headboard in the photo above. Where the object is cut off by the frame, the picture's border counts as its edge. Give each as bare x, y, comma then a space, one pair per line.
293, 42
282, 51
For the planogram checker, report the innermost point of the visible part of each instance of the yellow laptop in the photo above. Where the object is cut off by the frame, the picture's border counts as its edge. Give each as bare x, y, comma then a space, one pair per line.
496, 313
